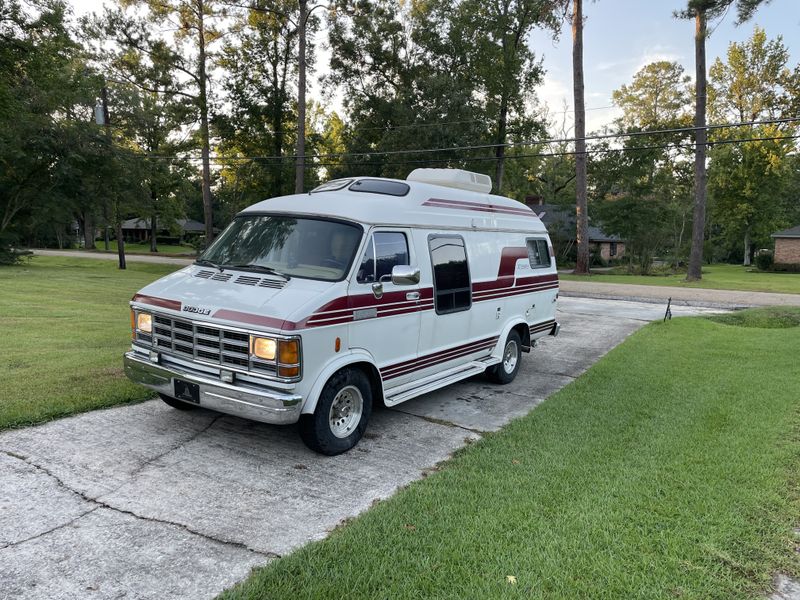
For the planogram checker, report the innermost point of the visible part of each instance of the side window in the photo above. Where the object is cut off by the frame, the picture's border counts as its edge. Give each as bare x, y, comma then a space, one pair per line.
538, 254
453, 289
385, 250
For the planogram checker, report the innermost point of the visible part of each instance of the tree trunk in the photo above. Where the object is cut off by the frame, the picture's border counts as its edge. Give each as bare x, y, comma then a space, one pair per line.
120, 244
88, 231
500, 150
153, 230
582, 217
300, 164
105, 225
699, 220
747, 247
204, 135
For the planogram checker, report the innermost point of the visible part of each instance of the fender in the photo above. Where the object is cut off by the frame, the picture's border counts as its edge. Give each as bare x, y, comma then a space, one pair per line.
355, 355
497, 352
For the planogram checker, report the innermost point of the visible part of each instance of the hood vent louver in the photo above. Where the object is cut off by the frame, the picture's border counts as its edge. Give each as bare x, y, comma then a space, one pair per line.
250, 280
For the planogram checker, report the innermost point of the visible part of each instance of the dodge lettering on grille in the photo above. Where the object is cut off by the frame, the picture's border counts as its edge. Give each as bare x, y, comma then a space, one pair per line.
197, 310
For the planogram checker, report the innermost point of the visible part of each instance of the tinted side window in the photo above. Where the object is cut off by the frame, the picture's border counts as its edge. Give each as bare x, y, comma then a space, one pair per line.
538, 254
450, 273
385, 250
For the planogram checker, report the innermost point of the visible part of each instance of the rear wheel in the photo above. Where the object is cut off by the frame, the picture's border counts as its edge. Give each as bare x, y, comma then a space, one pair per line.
342, 413
505, 371
177, 403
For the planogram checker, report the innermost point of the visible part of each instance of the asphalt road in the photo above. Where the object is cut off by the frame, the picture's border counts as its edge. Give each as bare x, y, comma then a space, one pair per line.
148, 502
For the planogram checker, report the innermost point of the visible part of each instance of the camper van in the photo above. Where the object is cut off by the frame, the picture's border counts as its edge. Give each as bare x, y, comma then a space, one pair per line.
310, 308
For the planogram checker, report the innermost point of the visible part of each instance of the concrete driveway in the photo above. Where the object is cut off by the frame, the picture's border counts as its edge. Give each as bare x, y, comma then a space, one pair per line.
149, 502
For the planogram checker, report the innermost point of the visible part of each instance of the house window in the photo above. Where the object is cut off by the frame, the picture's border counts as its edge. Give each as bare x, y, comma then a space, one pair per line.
451, 281
613, 249
538, 254
385, 250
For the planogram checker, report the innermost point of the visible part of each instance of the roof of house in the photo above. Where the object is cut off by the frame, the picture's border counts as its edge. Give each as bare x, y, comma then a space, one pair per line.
184, 224
561, 218
793, 232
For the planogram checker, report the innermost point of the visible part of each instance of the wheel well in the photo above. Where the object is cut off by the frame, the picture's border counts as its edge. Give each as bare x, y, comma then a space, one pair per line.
374, 377
525, 335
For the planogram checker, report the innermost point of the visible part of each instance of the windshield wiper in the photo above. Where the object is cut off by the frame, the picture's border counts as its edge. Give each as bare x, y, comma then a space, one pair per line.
260, 269
207, 263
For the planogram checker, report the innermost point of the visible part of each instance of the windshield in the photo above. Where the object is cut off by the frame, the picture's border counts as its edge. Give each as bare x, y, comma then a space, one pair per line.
289, 246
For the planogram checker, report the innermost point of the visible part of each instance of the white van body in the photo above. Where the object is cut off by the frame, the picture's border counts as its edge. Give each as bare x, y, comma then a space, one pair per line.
354, 329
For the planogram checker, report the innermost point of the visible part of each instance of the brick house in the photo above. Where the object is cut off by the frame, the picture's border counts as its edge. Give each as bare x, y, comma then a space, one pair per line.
560, 223
787, 246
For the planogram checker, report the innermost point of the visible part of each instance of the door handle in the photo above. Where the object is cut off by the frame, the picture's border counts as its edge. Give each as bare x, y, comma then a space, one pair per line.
412, 296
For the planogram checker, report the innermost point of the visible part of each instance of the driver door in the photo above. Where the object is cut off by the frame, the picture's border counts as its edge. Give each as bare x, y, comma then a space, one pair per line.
386, 317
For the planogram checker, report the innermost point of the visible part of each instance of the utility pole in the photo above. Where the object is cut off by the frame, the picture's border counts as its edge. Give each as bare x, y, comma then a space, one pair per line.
300, 161
107, 125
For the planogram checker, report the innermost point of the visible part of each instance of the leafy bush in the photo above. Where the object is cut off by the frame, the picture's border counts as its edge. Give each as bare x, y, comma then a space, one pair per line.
764, 261
9, 253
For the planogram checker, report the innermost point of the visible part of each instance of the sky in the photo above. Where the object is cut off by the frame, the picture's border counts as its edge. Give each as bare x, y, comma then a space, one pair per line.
620, 37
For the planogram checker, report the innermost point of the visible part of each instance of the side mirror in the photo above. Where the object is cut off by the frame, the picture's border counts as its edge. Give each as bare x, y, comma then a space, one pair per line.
405, 275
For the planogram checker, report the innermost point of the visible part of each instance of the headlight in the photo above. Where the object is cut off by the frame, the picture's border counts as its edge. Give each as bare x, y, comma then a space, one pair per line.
144, 322
284, 354
263, 348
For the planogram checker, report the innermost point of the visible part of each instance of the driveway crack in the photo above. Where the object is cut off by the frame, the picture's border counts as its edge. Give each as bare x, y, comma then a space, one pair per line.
441, 422
97, 503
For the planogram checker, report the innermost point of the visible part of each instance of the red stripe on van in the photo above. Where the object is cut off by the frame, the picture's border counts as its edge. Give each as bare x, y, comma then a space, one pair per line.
241, 317
474, 206
422, 362
161, 302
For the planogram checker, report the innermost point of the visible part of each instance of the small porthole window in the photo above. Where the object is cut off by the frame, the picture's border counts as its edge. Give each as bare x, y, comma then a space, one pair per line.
538, 254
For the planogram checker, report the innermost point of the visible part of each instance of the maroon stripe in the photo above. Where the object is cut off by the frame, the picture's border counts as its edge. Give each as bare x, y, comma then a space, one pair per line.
421, 359
435, 361
509, 293
241, 317
541, 326
518, 288
161, 302
461, 204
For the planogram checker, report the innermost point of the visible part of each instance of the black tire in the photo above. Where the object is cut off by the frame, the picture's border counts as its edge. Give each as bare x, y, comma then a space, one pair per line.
332, 433
180, 405
506, 370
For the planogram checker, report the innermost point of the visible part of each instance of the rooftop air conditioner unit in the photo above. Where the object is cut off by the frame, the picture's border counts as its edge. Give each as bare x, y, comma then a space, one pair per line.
453, 178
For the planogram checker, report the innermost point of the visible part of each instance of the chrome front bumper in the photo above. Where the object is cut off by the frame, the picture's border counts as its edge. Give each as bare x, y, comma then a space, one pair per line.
267, 406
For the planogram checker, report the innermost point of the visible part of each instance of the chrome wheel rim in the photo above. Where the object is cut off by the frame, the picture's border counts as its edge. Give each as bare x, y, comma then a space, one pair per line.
346, 410
510, 357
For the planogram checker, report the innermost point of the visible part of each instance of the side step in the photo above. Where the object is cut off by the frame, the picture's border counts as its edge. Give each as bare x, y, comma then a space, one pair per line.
437, 380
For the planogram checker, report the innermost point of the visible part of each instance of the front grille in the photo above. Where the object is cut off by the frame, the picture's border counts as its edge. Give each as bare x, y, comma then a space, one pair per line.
204, 343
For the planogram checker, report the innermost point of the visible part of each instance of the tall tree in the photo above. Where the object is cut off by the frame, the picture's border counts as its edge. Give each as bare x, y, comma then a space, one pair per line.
196, 25
748, 181
581, 208
701, 11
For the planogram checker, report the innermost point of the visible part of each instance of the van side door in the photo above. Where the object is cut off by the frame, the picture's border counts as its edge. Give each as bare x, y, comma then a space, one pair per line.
386, 317
448, 337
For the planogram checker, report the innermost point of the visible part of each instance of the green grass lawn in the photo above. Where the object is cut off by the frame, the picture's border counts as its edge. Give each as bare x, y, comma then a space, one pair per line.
144, 248
717, 277
64, 325
668, 470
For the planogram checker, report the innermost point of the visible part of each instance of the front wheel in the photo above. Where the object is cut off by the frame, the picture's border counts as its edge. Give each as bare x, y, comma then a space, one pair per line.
507, 369
342, 413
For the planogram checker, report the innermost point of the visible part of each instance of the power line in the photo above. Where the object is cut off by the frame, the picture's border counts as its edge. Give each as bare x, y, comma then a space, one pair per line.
223, 161
631, 134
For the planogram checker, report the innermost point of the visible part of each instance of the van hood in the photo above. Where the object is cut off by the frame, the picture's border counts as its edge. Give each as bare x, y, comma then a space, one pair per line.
243, 298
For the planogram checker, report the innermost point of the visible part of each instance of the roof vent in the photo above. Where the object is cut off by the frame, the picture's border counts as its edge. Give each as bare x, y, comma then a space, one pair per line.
453, 178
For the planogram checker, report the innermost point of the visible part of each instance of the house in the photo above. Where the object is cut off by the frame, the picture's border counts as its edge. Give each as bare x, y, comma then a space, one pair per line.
561, 222
787, 246
138, 230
